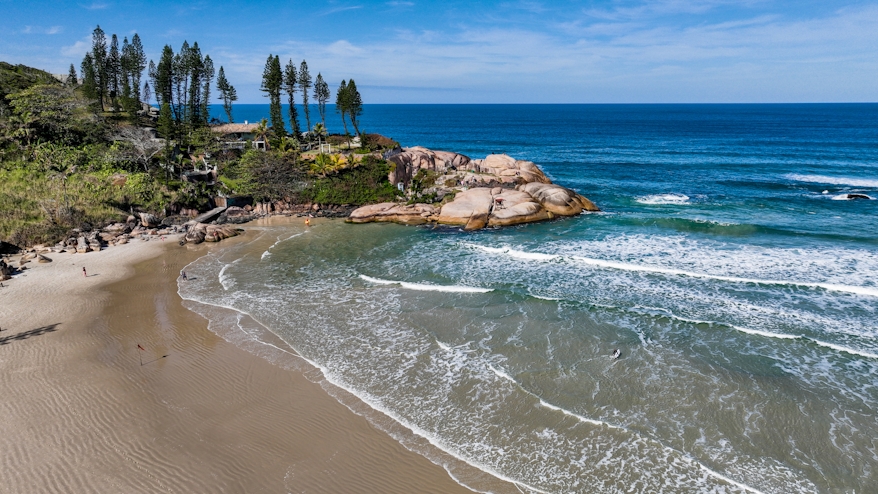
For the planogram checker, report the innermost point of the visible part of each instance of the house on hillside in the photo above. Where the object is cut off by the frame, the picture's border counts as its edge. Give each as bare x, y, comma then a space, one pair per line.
235, 136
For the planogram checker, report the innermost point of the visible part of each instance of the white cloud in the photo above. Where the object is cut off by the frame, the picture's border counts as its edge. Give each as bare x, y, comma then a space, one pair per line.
77, 49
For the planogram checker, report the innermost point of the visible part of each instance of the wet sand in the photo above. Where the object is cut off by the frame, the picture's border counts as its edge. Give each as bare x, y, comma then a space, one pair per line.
79, 413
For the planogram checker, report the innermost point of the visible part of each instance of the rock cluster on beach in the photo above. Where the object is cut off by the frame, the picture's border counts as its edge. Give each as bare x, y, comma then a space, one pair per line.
496, 191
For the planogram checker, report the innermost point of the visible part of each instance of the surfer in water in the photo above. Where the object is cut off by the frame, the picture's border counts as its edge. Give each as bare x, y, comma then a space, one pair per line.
616, 354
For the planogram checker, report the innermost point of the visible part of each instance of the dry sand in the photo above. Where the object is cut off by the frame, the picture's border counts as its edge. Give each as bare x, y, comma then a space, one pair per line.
78, 413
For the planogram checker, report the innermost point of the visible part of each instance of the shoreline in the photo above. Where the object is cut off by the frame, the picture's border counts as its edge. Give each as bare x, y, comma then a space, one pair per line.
79, 413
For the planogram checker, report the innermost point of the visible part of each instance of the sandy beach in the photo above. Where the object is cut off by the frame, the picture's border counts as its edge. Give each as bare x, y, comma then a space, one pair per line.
79, 413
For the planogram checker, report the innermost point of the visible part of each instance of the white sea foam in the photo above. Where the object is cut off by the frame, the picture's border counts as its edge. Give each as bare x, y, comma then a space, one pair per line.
661, 199
624, 266
267, 253
767, 334
723, 477
847, 197
427, 288
517, 254
845, 349
823, 179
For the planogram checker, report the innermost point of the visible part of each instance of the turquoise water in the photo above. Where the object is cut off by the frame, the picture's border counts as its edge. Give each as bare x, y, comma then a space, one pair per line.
727, 265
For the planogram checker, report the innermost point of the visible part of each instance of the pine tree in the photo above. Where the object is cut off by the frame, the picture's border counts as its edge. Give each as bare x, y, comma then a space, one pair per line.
114, 69
180, 78
194, 64
127, 66
163, 86
272, 80
341, 106
321, 94
206, 80
305, 84
99, 62
291, 80
89, 84
227, 93
354, 105
72, 80
138, 63
147, 94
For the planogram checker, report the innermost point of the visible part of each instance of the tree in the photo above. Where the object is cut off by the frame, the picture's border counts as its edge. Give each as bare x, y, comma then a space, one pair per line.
227, 93
354, 105
207, 79
341, 105
114, 69
72, 80
99, 62
272, 80
89, 81
305, 84
147, 94
194, 67
138, 63
165, 124
291, 80
321, 94
163, 85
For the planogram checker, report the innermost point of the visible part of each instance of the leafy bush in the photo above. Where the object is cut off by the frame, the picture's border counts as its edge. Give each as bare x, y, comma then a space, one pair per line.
364, 184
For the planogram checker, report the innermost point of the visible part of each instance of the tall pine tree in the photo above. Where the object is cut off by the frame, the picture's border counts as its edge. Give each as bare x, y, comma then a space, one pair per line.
321, 94
272, 81
206, 81
305, 84
114, 72
138, 63
341, 105
291, 81
99, 62
354, 105
89, 78
227, 93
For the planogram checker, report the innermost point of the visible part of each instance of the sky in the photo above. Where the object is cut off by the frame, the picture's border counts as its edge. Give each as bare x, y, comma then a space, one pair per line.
517, 51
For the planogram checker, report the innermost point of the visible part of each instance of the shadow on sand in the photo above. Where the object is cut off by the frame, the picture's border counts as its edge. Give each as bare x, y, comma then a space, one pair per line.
27, 334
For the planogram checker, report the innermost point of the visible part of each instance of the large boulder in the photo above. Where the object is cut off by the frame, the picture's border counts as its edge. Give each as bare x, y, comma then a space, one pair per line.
558, 200
149, 220
201, 232
82, 245
411, 160
513, 207
509, 170
469, 208
407, 214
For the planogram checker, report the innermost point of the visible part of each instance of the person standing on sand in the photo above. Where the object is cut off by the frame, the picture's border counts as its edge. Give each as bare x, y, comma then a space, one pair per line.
83, 272
184, 275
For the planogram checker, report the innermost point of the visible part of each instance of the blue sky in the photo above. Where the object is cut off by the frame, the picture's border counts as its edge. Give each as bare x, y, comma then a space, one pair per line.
416, 51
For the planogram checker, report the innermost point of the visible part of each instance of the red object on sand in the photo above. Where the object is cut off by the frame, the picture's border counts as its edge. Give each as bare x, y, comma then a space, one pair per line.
140, 347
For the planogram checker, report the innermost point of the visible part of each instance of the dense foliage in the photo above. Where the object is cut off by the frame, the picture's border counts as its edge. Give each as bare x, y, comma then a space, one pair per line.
88, 151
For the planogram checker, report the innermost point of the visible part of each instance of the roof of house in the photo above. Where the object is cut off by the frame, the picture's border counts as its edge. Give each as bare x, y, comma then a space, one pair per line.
234, 128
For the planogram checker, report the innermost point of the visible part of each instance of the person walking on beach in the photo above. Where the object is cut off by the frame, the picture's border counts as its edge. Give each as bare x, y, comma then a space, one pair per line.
184, 275
83, 272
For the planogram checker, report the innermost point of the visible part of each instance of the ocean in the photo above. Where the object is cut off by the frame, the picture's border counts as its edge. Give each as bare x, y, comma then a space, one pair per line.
729, 265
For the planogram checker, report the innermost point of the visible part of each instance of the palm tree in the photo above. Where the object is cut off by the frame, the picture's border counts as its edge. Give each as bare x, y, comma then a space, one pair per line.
322, 164
261, 132
319, 131
338, 162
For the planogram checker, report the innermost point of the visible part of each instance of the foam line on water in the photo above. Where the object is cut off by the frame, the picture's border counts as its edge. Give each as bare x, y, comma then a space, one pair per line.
268, 251
824, 179
372, 403
845, 349
427, 288
663, 199
623, 266
504, 375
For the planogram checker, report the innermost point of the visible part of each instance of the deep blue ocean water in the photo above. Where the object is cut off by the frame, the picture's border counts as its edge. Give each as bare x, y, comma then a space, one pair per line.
729, 264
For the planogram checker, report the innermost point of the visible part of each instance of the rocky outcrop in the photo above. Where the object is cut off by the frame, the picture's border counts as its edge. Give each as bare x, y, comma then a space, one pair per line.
149, 220
558, 200
407, 214
496, 191
201, 232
